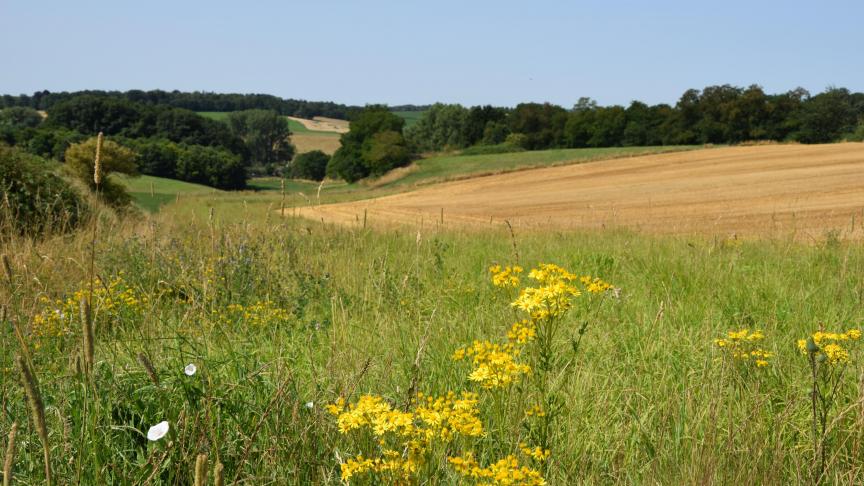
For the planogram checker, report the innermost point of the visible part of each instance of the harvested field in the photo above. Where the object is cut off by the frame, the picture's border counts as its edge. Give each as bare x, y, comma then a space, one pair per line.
802, 191
307, 142
322, 124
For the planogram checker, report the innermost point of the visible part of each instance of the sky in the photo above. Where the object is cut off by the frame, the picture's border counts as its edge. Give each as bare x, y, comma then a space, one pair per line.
411, 52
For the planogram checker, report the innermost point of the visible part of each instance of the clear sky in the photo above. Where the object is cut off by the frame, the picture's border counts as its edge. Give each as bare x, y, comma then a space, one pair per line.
396, 52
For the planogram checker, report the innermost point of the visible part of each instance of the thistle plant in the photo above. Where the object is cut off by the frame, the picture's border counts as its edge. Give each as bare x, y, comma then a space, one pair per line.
828, 354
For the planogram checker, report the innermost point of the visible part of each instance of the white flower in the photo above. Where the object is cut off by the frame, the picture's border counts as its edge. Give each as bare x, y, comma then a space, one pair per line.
310, 405
158, 431
190, 369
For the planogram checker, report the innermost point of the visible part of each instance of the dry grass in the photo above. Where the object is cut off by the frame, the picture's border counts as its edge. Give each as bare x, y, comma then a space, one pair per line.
322, 124
307, 143
770, 190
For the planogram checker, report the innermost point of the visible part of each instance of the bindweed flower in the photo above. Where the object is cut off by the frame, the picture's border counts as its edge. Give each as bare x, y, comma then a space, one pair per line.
158, 431
190, 369
310, 405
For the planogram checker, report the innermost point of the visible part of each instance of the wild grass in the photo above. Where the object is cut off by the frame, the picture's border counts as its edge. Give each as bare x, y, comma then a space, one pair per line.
278, 313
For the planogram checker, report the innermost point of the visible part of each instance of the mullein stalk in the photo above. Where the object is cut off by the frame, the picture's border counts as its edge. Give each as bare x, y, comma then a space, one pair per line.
37, 411
10, 456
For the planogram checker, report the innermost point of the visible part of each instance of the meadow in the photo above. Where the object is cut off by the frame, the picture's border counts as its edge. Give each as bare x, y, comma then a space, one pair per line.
214, 340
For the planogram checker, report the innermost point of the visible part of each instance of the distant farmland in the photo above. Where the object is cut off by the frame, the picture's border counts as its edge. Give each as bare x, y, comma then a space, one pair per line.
304, 138
410, 117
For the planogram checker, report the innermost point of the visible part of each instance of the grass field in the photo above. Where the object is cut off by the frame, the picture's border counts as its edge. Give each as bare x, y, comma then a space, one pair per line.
283, 317
410, 117
152, 192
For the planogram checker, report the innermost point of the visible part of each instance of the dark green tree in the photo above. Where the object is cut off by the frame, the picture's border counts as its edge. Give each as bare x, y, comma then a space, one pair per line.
310, 165
266, 135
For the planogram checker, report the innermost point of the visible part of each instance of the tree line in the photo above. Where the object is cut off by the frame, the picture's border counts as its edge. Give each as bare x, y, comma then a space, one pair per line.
168, 142
715, 115
195, 101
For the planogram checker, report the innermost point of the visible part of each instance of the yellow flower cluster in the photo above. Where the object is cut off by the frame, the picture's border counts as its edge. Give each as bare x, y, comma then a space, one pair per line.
535, 411
391, 464
507, 471
594, 285
260, 314
433, 419
551, 300
506, 277
495, 365
538, 453
522, 332
60, 316
740, 345
827, 344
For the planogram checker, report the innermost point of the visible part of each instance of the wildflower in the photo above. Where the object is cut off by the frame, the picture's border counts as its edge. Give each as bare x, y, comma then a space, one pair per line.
508, 277
336, 408
310, 405
158, 431
190, 369
535, 411
522, 332
539, 454
507, 471
741, 346
828, 344
495, 365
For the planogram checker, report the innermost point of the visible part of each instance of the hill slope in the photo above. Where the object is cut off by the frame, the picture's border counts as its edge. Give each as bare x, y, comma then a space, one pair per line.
803, 190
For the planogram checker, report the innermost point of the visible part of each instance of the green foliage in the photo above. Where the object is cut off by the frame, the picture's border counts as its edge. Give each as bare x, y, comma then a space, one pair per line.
827, 116
266, 135
310, 165
39, 201
542, 125
385, 151
18, 117
441, 127
211, 166
115, 158
351, 161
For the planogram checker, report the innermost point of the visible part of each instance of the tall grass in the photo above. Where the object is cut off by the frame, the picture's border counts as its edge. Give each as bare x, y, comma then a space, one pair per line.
278, 313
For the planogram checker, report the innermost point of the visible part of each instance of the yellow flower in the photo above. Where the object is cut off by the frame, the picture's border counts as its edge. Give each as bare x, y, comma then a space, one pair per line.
495, 365
522, 332
508, 277
741, 346
507, 471
827, 344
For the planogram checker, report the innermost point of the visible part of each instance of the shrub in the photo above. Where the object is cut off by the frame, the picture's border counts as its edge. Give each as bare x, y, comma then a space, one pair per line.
310, 165
385, 151
114, 158
211, 166
39, 200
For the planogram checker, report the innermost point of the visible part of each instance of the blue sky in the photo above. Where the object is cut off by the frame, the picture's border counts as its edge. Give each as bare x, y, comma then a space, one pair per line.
395, 52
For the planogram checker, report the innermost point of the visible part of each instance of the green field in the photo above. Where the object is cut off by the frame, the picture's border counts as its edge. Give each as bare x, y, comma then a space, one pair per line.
410, 117
283, 316
152, 192
449, 167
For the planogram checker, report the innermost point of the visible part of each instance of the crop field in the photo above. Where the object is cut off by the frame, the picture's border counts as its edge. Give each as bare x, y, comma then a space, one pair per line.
775, 190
